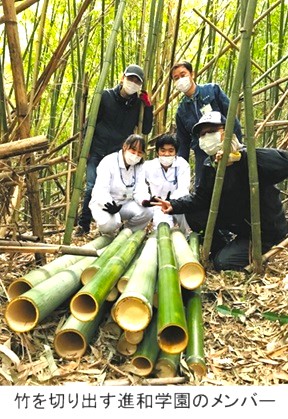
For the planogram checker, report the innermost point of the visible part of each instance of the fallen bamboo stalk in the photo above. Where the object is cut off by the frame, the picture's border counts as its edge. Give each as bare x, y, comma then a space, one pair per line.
34, 277
272, 252
46, 248
147, 381
24, 146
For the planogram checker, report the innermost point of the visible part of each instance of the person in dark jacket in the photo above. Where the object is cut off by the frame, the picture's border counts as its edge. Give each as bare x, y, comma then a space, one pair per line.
117, 118
234, 207
197, 101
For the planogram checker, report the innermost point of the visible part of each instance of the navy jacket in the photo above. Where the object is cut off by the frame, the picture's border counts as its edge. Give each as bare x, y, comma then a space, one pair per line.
189, 113
234, 207
117, 119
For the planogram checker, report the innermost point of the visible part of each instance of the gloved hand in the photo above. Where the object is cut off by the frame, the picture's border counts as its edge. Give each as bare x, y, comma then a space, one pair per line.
145, 98
168, 196
147, 202
112, 208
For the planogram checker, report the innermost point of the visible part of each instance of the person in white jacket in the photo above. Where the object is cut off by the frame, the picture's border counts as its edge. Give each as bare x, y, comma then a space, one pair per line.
168, 176
120, 189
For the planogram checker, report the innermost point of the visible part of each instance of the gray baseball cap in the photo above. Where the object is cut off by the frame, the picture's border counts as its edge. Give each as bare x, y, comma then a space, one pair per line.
214, 118
134, 70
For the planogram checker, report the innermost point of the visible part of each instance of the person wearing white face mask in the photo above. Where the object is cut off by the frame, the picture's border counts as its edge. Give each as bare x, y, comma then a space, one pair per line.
234, 206
198, 100
120, 189
117, 118
168, 176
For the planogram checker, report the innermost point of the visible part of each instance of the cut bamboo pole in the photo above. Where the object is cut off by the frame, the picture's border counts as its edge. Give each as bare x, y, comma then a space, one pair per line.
124, 347
145, 357
134, 337
85, 304
23, 313
113, 294
195, 357
72, 340
133, 309
172, 327
122, 282
167, 365
191, 272
110, 251
36, 276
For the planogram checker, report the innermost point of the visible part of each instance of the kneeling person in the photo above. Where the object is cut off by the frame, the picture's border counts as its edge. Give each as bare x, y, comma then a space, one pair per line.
120, 188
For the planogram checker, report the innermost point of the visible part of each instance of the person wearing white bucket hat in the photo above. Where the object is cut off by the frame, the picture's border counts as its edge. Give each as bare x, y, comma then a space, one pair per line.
234, 206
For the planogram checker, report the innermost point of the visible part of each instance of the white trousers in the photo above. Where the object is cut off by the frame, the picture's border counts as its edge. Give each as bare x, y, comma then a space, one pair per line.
137, 217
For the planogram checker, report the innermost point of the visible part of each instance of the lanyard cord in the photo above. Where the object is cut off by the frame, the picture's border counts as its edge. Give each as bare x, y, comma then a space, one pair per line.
134, 176
175, 176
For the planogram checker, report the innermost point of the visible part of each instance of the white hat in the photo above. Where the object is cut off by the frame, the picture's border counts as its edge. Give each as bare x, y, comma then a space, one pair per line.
214, 118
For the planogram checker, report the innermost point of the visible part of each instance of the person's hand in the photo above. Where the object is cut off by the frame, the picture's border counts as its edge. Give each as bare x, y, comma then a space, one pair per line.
148, 202
166, 207
112, 208
219, 155
145, 98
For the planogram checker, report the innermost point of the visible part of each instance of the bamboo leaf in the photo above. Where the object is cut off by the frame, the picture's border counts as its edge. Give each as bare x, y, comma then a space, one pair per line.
272, 316
235, 312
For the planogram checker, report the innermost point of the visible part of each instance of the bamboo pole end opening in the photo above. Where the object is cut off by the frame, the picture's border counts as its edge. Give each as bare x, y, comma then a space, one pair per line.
88, 274
21, 315
143, 365
197, 365
132, 313
173, 339
164, 369
191, 275
18, 287
84, 307
69, 344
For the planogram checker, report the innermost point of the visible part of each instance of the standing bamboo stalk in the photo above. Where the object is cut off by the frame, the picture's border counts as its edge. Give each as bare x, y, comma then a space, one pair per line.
91, 123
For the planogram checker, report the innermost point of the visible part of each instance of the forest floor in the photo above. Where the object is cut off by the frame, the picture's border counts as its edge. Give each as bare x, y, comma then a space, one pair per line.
245, 349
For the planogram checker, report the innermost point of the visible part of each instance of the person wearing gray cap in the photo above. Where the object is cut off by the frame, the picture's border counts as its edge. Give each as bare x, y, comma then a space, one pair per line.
117, 118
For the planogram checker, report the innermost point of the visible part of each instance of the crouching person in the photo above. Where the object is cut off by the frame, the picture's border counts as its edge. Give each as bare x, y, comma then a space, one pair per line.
120, 189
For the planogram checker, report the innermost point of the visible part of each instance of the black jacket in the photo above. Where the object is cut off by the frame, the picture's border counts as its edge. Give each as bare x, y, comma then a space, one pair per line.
234, 207
117, 119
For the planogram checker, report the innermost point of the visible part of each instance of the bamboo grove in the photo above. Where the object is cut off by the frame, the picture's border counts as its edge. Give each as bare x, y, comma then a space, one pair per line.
155, 316
59, 55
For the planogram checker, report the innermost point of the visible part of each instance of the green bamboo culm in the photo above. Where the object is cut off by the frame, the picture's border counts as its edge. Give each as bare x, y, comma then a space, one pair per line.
133, 309
252, 170
86, 303
91, 123
147, 351
122, 282
191, 272
167, 365
195, 357
23, 313
34, 277
72, 339
110, 250
232, 110
172, 327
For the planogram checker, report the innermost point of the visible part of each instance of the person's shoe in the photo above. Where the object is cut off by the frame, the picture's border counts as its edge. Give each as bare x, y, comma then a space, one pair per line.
81, 231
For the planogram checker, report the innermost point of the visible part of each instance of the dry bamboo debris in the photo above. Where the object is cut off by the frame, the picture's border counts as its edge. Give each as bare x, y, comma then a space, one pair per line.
25, 146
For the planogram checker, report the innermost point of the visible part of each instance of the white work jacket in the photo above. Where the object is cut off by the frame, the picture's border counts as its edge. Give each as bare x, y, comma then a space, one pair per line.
116, 183
175, 180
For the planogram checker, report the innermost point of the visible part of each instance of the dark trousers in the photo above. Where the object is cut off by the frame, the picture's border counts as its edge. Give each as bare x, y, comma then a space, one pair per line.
85, 217
227, 253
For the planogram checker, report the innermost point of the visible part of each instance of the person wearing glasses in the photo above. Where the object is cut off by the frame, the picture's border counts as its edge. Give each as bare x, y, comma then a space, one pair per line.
168, 176
120, 189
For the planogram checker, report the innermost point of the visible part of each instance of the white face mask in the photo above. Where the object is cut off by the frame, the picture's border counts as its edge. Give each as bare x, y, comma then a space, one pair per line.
210, 143
183, 84
130, 87
166, 160
131, 159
